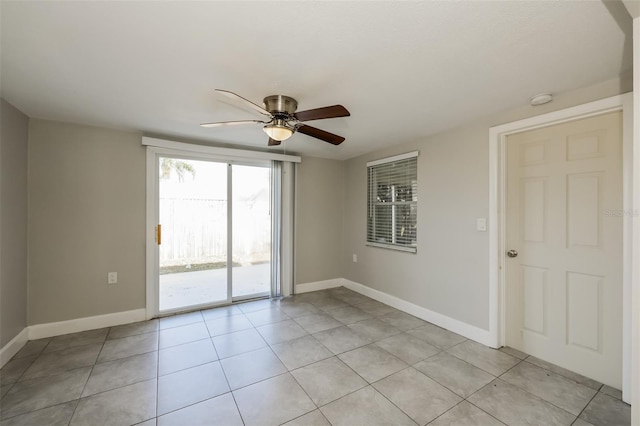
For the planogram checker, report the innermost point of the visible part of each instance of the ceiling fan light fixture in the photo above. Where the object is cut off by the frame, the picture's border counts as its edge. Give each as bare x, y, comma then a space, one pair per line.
284, 121
278, 130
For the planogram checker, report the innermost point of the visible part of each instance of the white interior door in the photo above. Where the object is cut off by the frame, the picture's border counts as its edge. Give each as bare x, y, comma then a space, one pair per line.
564, 220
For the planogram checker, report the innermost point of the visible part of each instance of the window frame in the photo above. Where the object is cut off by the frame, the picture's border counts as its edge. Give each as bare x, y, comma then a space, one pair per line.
372, 203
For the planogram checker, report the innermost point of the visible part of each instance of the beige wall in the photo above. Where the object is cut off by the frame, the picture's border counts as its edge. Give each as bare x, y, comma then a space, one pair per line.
13, 222
86, 218
449, 274
319, 220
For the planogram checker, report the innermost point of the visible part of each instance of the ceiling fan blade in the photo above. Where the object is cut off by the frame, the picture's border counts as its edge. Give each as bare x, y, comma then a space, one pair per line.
231, 123
333, 111
273, 142
320, 134
246, 101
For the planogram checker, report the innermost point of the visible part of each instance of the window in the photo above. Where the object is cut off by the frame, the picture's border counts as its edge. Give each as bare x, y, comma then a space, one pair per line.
393, 202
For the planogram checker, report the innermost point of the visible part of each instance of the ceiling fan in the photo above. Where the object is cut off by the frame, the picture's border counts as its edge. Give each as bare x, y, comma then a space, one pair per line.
283, 120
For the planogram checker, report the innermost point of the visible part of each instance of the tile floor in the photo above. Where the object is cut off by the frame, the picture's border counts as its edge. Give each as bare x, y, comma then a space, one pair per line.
328, 357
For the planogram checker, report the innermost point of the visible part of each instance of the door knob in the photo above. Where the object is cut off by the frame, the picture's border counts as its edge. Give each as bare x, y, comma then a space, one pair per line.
512, 253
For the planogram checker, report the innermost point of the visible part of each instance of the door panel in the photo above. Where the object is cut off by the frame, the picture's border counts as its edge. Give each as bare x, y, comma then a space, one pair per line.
564, 290
251, 271
583, 210
534, 286
533, 210
583, 310
193, 252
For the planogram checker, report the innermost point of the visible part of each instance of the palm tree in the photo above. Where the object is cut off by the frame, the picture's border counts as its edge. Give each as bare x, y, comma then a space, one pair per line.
180, 167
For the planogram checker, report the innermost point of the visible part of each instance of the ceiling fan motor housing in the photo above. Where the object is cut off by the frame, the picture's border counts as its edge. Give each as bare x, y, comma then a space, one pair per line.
280, 103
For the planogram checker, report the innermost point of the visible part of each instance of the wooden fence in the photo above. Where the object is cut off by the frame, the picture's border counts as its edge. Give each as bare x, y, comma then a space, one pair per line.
195, 231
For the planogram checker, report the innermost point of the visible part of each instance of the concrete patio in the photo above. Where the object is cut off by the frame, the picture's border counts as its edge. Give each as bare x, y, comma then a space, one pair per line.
185, 289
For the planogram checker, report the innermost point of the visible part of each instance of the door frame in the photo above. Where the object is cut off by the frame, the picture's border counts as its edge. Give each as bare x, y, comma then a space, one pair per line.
158, 147
630, 198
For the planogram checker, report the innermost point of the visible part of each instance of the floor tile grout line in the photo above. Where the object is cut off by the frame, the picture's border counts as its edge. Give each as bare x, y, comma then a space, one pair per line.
5, 394
468, 402
224, 373
229, 384
358, 374
74, 411
537, 397
484, 411
191, 404
305, 392
35, 358
531, 393
367, 386
157, 410
393, 403
121, 338
119, 387
480, 368
302, 415
135, 333
377, 316
565, 376
322, 344
89, 376
4, 419
440, 415
52, 375
333, 356
447, 387
510, 368
344, 363
585, 407
287, 372
96, 364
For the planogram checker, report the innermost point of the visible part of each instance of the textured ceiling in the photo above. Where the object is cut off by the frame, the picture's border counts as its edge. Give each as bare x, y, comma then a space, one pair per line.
405, 70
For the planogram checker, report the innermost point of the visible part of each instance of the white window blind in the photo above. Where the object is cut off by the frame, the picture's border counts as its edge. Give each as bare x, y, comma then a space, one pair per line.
392, 211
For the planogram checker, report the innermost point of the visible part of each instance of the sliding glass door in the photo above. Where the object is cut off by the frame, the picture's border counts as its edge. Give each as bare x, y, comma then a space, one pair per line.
214, 233
251, 229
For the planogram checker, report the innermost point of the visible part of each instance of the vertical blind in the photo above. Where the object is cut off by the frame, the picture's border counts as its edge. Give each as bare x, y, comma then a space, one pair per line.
282, 238
392, 209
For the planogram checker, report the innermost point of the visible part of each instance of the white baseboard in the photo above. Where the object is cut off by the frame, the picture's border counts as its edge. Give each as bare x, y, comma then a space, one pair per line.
469, 331
40, 331
10, 349
318, 285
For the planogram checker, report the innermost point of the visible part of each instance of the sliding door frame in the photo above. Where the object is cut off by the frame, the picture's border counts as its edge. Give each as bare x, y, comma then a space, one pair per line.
160, 148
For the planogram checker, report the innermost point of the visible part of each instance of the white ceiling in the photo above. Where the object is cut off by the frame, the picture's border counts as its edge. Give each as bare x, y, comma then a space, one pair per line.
405, 70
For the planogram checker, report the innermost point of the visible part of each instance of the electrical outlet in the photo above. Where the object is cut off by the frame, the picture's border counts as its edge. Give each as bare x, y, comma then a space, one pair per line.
355, 258
112, 278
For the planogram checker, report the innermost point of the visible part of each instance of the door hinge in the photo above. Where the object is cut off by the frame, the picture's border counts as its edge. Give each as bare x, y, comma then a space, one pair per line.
159, 234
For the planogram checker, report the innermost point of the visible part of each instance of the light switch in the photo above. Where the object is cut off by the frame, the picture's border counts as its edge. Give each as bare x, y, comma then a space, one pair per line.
481, 224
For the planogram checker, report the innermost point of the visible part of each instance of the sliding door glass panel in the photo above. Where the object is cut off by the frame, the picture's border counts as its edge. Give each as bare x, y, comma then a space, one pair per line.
193, 251
251, 272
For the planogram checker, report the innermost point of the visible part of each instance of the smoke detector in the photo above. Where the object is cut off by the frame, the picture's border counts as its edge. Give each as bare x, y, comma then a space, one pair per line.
541, 99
